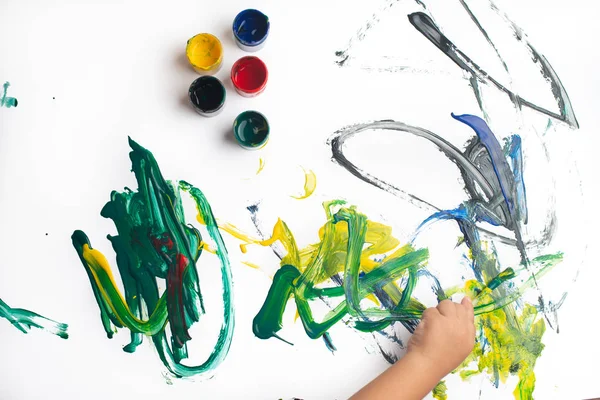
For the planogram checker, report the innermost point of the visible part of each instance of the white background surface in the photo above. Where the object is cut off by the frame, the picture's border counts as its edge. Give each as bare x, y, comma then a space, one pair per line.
117, 69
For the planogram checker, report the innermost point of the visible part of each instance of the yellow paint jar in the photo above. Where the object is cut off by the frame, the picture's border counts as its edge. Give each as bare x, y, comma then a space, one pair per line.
205, 53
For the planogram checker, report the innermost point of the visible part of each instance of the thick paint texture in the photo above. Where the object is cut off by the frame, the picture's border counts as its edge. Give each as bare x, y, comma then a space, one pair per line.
24, 320
155, 244
494, 182
5, 100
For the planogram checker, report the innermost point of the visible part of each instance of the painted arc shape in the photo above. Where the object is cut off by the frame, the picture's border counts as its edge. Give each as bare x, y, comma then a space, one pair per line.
427, 27
155, 242
470, 171
310, 184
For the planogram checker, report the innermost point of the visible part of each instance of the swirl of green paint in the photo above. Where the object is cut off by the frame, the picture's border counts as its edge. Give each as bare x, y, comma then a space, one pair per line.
154, 243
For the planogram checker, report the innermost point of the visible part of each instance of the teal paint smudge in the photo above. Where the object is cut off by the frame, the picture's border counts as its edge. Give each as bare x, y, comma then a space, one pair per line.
6, 101
24, 320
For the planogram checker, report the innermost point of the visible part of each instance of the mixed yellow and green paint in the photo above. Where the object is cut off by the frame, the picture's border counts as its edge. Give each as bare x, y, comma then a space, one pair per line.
154, 244
366, 277
373, 277
369, 278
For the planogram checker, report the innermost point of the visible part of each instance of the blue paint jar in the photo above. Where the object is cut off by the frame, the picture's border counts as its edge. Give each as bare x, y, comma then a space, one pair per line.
250, 29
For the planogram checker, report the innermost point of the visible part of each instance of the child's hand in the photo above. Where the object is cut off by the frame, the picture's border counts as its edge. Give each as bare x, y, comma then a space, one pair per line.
445, 336
443, 339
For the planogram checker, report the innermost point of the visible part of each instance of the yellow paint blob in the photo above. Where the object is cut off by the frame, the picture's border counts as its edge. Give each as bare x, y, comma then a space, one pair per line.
310, 184
204, 52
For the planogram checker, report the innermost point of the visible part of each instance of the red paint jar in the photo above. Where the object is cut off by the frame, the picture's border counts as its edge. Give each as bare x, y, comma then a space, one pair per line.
249, 76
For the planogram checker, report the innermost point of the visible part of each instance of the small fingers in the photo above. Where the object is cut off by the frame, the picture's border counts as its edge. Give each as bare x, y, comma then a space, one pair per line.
468, 306
430, 312
447, 308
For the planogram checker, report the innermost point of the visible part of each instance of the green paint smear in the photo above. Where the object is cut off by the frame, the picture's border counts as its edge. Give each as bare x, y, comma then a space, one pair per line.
342, 251
509, 337
24, 320
155, 243
439, 391
6, 101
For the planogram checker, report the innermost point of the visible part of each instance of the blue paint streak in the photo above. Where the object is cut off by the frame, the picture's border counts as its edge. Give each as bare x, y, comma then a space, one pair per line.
515, 153
501, 167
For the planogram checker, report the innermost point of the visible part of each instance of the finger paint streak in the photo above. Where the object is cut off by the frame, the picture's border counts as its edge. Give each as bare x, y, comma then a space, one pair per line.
6, 101
310, 184
261, 166
494, 180
24, 320
155, 243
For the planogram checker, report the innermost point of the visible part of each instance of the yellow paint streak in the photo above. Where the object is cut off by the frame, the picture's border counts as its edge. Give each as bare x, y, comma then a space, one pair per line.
96, 261
513, 343
261, 166
310, 184
207, 247
280, 233
204, 52
251, 265
379, 240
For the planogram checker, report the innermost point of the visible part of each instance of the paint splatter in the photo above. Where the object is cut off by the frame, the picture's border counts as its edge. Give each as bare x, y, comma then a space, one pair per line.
310, 184
154, 242
6, 101
24, 320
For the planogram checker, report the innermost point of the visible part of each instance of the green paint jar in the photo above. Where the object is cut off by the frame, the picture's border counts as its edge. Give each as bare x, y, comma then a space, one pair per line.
251, 130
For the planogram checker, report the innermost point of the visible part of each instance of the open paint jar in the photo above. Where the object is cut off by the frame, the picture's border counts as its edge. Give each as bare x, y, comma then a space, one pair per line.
251, 130
207, 95
251, 29
205, 53
249, 76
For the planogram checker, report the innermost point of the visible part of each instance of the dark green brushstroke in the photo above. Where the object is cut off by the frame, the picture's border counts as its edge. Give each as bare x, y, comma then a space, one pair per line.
289, 281
154, 242
24, 320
